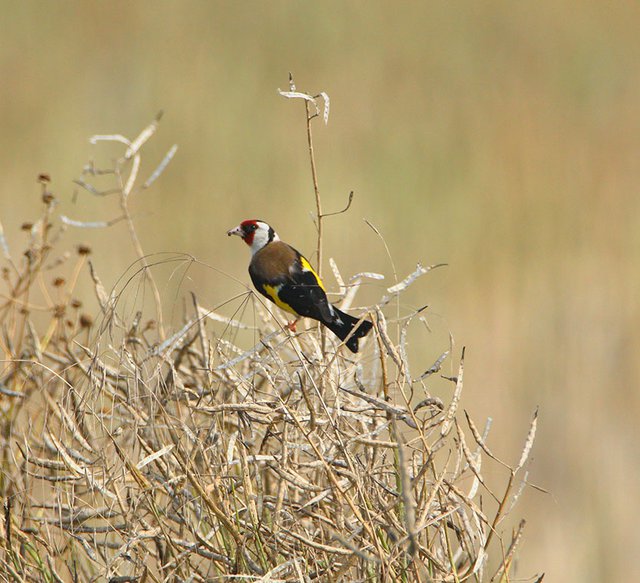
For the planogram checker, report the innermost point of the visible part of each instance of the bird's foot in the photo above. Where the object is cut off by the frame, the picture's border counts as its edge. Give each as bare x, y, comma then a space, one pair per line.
292, 325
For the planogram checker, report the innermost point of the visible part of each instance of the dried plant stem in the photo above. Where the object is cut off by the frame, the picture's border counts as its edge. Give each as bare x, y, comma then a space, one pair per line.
132, 458
316, 192
125, 172
316, 189
145, 264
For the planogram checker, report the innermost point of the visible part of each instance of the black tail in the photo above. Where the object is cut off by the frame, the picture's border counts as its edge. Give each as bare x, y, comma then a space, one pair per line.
342, 326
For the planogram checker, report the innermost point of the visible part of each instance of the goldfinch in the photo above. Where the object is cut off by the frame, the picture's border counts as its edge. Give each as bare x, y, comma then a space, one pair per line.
284, 276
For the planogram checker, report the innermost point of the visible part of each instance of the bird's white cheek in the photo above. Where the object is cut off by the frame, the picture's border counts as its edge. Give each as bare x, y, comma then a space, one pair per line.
260, 239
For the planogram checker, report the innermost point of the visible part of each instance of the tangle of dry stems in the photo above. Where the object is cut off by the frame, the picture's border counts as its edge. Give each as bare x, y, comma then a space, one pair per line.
128, 456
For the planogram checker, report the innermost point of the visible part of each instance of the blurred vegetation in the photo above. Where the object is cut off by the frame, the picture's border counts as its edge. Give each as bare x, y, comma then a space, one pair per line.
501, 138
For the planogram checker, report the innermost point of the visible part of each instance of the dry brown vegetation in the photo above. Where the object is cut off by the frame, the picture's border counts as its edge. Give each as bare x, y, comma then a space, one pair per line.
135, 453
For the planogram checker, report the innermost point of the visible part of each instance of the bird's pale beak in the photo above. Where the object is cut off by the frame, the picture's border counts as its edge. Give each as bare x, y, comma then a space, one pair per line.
235, 231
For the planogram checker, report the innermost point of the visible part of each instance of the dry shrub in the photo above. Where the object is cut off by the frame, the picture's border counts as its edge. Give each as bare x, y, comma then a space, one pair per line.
132, 456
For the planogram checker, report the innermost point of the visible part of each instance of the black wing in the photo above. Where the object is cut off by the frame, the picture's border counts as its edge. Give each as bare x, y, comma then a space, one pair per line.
303, 291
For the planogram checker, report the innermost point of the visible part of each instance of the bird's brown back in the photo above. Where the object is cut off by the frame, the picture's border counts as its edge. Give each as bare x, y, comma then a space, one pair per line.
273, 261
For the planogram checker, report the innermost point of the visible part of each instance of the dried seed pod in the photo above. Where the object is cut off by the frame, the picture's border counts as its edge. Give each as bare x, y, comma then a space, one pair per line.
86, 321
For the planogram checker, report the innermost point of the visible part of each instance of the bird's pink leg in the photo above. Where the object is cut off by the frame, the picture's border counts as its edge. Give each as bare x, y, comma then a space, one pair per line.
292, 325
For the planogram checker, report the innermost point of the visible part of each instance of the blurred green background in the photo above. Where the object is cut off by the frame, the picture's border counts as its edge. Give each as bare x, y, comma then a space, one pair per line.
501, 138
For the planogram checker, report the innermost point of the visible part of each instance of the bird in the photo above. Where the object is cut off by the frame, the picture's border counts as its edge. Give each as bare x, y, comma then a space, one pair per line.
284, 276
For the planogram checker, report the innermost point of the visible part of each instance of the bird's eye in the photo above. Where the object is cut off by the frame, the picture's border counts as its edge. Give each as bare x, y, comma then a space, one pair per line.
254, 227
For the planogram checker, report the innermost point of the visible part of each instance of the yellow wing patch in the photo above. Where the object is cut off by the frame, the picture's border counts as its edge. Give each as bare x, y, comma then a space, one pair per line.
272, 292
306, 266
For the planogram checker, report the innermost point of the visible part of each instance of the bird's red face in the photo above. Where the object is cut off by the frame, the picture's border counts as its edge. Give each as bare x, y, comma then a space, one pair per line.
246, 230
254, 233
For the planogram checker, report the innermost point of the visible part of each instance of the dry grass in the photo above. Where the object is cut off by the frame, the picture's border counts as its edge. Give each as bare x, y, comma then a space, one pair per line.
129, 454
